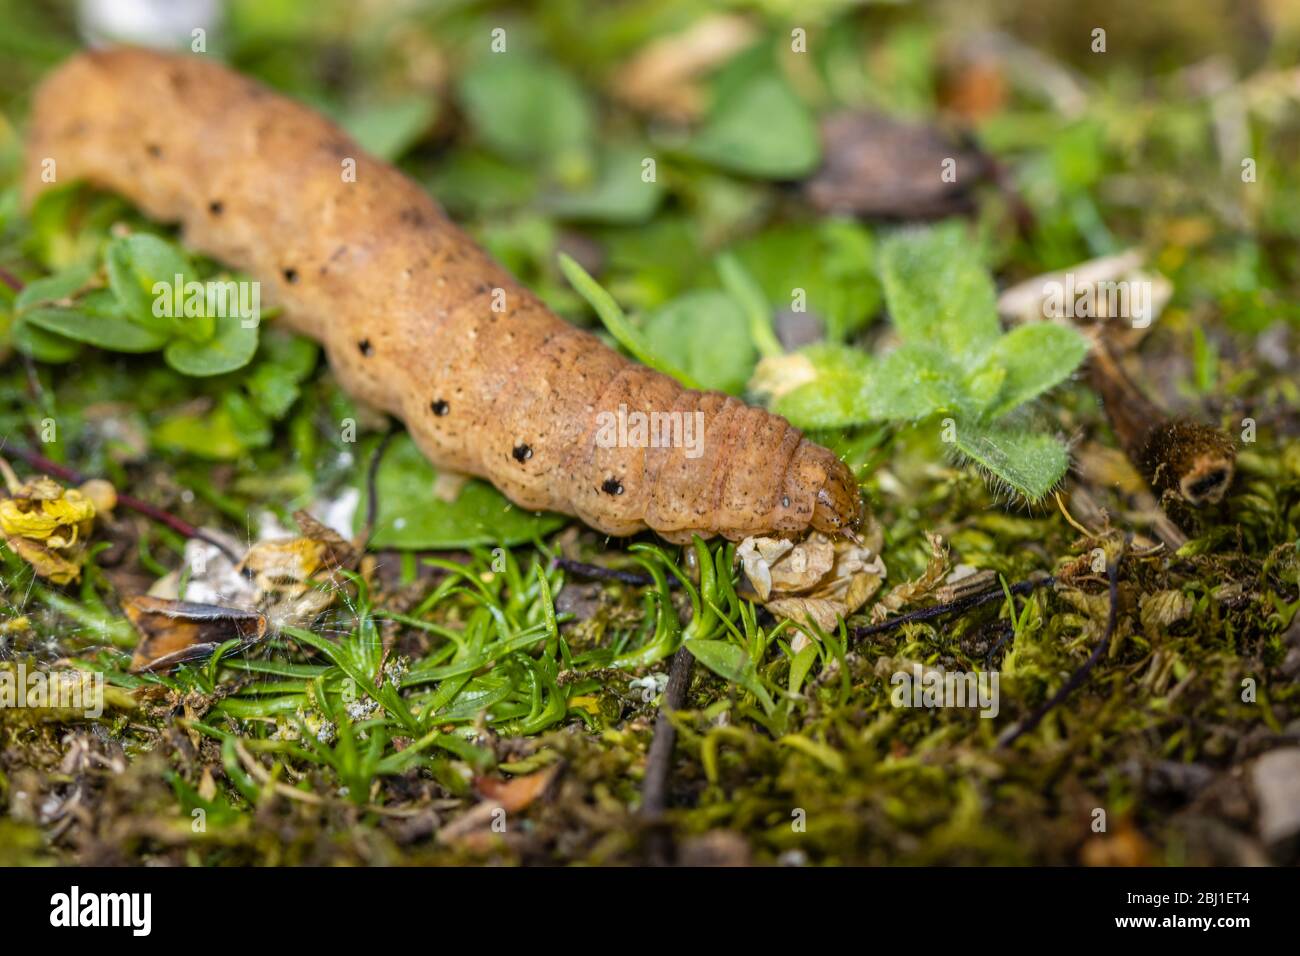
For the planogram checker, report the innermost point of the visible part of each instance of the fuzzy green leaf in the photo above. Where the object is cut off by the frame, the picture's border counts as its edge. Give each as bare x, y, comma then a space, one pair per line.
832, 398
1028, 463
938, 292
1034, 358
911, 383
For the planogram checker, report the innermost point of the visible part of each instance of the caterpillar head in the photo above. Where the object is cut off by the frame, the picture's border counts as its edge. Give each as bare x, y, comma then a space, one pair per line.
838, 505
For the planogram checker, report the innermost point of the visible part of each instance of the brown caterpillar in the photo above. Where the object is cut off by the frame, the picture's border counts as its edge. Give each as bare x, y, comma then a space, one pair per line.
362, 259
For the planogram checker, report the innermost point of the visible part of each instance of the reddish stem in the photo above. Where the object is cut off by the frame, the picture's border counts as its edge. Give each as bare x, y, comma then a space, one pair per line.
180, 526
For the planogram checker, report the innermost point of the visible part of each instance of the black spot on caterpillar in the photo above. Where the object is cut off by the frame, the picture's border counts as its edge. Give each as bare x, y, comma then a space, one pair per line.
721, 468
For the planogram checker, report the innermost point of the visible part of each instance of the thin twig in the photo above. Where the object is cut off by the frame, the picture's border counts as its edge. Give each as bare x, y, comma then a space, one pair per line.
1077, 678
595, 572
659, 761
372, 495
72, 477
961, 604
11, 280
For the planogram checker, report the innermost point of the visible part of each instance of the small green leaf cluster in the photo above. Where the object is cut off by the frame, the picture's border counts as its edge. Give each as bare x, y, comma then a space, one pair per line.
141, 295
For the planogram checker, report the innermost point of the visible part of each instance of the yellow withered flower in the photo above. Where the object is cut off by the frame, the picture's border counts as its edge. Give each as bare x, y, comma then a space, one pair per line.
49, 527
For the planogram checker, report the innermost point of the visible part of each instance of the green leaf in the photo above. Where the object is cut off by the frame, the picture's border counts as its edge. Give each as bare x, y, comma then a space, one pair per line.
832, 262
831, 395
849, 387
801, 665
706, 334
223, 434
619, 195
1034, 357
731, 663
136, 264
1029, 463
112, 332
528, 110
283, 362
411, 517
42, 345
938, 292
910, 383
61, 285
760, 129
231, 347
758, 313
474, 181
388, 129
616, 323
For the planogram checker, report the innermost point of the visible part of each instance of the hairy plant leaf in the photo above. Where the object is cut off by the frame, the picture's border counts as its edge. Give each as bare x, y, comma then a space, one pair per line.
825, 389
938, 291
911, 383
1034, 358
849, 387
1029, 463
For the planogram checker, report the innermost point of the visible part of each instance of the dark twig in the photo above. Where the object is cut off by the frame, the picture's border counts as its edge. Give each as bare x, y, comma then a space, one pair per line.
595, 572
372, 494
180, 526
11, 280
961, 604
1077, 678
659, 761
